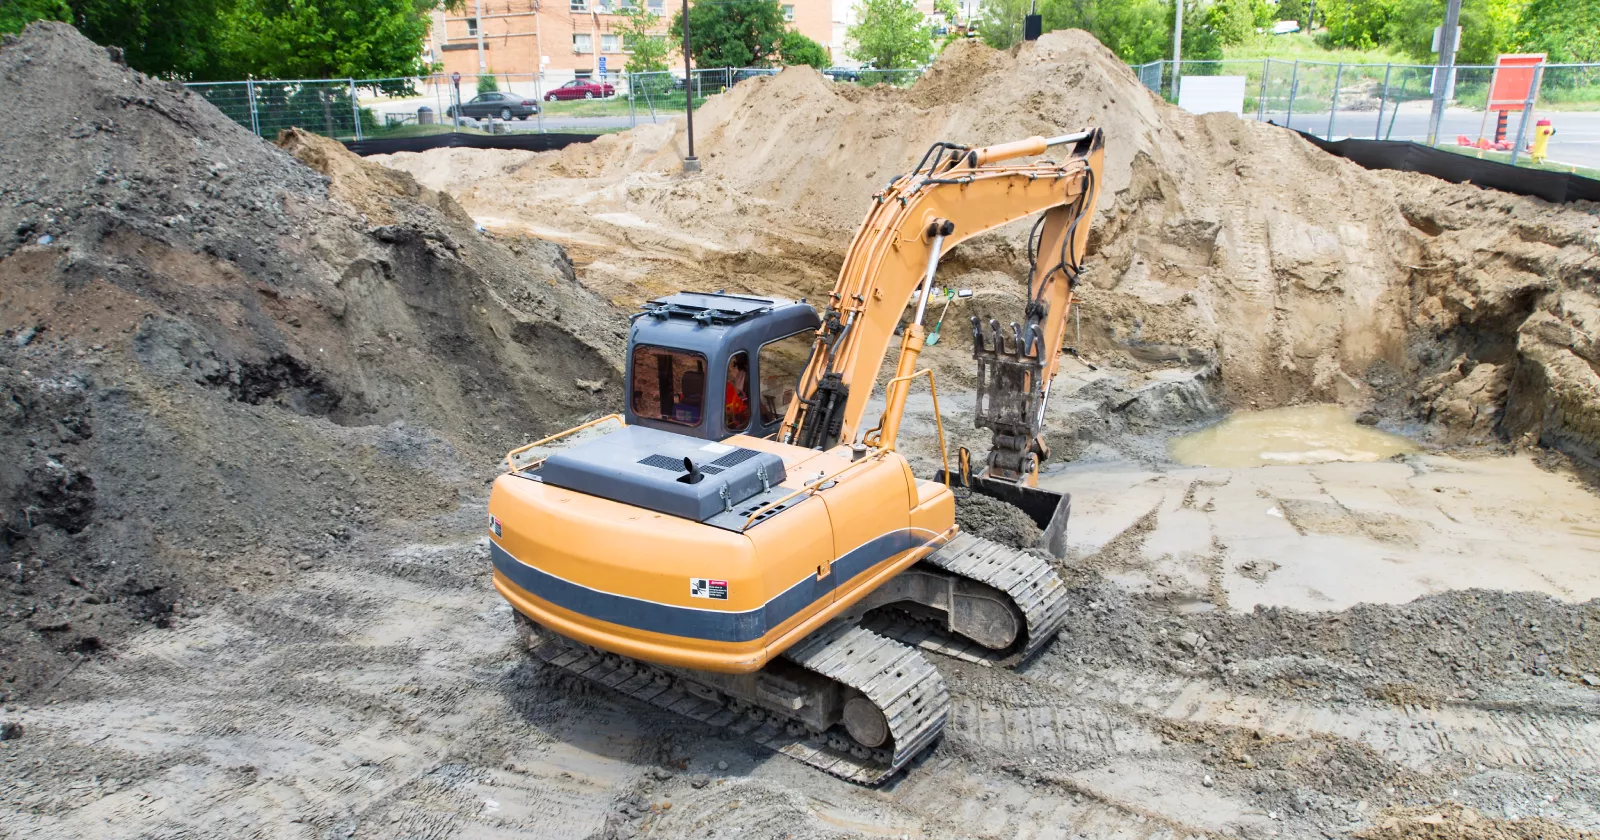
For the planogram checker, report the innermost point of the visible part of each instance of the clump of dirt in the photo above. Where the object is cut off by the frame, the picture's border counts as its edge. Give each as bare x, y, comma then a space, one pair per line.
1452, 822
1452, 646
219, 363
993, 519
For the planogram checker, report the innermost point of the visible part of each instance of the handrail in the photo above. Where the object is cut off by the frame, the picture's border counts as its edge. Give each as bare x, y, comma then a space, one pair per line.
809, 487
512, 466
933, 389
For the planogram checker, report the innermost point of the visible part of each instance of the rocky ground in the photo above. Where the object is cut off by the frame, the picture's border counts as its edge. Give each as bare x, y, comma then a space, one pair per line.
253, 394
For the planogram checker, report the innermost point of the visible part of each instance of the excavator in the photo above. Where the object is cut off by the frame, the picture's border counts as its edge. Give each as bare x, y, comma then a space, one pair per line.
743, 549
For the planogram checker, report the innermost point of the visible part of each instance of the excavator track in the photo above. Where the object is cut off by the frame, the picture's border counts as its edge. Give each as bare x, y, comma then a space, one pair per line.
1024, 577
895, 679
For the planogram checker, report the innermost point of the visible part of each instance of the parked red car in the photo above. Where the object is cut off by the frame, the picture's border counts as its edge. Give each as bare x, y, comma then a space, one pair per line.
581, 89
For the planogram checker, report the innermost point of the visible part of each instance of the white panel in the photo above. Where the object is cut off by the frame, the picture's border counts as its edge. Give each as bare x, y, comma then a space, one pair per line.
1206, 94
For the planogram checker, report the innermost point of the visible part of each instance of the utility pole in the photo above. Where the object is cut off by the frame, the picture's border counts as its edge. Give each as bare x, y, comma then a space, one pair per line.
1446, 69
692, 163
1177, 45
483, 65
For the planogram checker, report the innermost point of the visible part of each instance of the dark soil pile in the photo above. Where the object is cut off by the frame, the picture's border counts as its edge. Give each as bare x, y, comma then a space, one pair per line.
219, 363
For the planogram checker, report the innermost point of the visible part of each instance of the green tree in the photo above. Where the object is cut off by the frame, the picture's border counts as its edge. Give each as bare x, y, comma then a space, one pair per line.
176, 40
323, 39
796, 48
948, 9
1357, 24
647, 49
1138, 31
1000, 23
16, 14
890, 34
733, 33
1485, 30
1292, 10
1234, 21
1567, 30
487, 82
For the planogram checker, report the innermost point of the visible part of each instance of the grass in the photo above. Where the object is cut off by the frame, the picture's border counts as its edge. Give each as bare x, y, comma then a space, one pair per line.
1523, 161
616, 106
418, 131
1301, 47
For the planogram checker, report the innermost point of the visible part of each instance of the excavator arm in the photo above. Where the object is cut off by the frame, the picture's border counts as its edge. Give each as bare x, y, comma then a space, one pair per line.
955, 193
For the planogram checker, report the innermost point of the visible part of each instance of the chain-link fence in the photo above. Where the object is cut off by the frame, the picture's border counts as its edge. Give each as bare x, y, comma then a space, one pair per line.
1394, 102
364, 109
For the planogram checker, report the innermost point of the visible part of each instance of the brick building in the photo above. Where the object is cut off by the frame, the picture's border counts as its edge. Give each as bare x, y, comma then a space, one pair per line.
563, 39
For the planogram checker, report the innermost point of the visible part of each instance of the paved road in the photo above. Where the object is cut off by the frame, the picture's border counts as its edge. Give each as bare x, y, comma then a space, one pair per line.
1577, 139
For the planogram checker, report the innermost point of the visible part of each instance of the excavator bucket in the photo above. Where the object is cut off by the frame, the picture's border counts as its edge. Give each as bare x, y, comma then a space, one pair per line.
1047, 508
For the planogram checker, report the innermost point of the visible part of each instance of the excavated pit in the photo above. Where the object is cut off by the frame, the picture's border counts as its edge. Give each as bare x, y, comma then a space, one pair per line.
253, 393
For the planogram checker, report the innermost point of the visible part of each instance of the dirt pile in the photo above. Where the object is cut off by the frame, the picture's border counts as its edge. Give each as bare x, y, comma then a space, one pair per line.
1223, 247
992, 519
219, 362
1451, 646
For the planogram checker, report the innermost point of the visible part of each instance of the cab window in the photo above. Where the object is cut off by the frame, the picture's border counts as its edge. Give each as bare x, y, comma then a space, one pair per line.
736, 397
668, 385
781, 363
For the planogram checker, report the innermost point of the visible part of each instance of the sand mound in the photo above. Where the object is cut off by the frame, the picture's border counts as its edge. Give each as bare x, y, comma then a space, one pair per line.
221, 363
1223, 246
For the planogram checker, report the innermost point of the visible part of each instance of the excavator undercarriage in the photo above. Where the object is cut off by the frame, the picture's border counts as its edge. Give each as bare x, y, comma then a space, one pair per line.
858, 700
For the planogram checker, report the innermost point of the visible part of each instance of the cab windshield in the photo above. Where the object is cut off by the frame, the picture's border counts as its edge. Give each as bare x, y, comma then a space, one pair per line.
668, 385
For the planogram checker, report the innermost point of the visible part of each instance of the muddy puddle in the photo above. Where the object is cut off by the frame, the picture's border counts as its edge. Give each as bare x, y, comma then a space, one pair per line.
1305, 434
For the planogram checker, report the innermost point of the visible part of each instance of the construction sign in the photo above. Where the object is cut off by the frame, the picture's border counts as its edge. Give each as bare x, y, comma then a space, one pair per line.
1513, 81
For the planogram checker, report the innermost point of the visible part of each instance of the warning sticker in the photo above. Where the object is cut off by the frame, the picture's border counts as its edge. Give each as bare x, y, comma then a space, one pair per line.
494, 525
706, 588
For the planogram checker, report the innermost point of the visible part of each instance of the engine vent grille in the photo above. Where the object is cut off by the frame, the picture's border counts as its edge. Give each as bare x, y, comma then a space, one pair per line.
735, 458
663, 462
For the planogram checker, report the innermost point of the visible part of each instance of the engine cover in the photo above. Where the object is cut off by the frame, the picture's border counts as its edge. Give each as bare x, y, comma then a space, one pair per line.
645, 467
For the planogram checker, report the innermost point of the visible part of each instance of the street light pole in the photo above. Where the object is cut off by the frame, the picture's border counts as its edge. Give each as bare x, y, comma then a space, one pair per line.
1446, 69
692, 163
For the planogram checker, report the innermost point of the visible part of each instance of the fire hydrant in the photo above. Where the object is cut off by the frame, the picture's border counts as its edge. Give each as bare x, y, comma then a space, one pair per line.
1542, 130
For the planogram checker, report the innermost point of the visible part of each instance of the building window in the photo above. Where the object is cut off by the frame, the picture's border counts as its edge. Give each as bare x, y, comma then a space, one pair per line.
608, 43
472, 27
582, 43
580, 5
658, 6
788, 13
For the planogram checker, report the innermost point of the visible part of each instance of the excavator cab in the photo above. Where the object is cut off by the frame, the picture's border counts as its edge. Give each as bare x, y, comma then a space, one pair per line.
714, 365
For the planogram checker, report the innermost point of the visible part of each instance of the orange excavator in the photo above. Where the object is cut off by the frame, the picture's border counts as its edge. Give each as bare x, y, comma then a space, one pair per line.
746, 551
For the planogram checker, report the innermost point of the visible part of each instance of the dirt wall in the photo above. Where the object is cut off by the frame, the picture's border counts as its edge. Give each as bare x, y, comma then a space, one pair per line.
220, 362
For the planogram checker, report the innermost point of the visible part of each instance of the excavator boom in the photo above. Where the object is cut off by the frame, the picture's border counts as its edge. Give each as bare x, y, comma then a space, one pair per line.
955, 193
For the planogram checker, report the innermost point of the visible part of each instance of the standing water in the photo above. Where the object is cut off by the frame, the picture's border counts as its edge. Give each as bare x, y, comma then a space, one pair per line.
1305, 434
